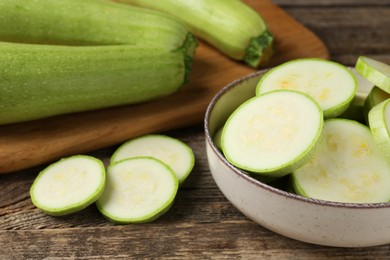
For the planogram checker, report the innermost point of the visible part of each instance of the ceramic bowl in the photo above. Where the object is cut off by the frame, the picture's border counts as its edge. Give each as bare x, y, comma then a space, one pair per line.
305, 219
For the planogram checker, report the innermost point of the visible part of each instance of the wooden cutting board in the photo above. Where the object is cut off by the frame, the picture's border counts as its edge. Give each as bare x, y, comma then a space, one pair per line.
33, 143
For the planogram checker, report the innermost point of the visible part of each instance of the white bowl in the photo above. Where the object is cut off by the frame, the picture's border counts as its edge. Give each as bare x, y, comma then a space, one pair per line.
305, 219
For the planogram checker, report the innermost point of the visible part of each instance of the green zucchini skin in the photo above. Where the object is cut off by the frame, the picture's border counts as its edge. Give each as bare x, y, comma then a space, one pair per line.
38, 81
229, 25
88, 22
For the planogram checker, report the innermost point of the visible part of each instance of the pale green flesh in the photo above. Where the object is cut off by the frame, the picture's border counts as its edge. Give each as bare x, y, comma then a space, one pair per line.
376, 96
379, 122
272, 134
68, 185
176, 154
39, 81
332, 85
356, 109
138, 190
347, 167
377, 72
231, 26
87, 22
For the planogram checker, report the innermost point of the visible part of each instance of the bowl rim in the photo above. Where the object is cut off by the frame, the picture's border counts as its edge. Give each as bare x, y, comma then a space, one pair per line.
258, 183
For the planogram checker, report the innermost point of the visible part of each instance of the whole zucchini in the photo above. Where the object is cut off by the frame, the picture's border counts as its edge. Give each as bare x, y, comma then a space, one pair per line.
89, 22
38, 81
229, 25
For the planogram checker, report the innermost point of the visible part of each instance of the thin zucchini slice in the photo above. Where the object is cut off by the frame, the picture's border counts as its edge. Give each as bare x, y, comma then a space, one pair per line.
379, 122
68, 185
274, 133
218, 138
376, 96
331, 84
138, 190
347, 167
377, 72
173, 152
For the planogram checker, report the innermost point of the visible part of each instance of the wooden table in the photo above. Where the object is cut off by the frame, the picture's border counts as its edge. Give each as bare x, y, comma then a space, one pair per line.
202, 223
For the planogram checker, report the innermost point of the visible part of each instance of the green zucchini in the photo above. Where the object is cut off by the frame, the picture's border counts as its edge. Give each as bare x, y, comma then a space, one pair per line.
90, 22
229, 25
38, 81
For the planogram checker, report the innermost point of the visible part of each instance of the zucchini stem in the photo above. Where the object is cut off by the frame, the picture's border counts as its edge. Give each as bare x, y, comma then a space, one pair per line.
260, 50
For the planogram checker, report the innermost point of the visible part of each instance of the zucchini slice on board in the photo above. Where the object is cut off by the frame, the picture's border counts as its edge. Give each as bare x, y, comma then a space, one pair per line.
347, 167
377, 72
68, 185
138, 190
173, 152
274, 133
331, 84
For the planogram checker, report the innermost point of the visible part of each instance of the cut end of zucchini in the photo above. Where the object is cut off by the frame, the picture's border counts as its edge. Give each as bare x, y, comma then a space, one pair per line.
138, 190
260, 50
173, 152
347, 167
274, 133
331, 84
377, 72
68, 185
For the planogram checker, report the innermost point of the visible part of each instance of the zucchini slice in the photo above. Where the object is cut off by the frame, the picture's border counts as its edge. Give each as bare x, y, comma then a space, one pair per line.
377, 72
217, 139
68, 185
379, 122
375, 96
173, 152
138, 190
274, 133
347, 167
331, 84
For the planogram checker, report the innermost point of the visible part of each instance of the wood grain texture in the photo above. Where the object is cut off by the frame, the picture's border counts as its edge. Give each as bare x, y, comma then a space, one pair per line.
29, 144
202, 224
349, 28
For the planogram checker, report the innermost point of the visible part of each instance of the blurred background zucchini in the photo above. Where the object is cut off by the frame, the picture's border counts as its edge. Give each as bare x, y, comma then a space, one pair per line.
89, 22
229, 25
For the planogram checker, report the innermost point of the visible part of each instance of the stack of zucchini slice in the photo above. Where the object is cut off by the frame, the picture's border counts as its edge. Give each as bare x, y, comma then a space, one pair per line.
295, 126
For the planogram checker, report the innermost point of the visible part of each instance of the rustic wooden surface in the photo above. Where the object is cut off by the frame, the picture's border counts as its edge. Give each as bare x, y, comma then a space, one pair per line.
202, 224
29, 144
